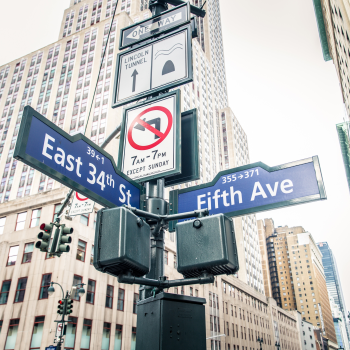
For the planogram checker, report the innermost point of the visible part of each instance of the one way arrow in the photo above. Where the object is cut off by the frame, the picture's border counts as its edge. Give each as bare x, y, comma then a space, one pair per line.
134, 80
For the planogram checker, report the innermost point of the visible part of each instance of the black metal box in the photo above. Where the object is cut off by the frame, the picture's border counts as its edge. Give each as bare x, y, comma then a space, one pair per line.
121, 243
171, 322
206, 244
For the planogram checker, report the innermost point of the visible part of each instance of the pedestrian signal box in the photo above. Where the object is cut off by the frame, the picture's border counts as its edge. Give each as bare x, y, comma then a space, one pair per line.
121, 243
206, 244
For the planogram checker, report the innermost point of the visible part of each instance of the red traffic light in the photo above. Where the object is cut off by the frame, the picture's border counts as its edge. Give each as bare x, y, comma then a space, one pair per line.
60, 302
46, 227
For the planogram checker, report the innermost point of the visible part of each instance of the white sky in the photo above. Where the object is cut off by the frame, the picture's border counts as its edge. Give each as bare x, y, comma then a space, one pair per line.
285, 96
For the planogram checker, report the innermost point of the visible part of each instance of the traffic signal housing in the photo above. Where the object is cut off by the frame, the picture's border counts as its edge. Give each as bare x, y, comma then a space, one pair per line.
44, 237
206, 244
61, 307
69, 308
64, 239
121, 243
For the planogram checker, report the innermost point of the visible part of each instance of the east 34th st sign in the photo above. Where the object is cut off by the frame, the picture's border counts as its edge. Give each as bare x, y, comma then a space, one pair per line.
74, 161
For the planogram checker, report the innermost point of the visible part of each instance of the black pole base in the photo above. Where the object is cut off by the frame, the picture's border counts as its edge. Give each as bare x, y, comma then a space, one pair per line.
171, 322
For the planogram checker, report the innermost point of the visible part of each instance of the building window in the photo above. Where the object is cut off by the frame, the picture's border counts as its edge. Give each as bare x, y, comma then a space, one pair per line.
37, 332
28, 251
12, 334
81, 250
71, 331
106, 335
5, 289
12, 258
109, 296
21, 289
120, 305
133, 338
57, 209
118, 337
86, 335
90, 296
165, 257
134, 307
45, 284
191, 291
175, 261
0, 326
76, 280
21, 220
92, 256
2, 225
84, 219
196, 292
35, 218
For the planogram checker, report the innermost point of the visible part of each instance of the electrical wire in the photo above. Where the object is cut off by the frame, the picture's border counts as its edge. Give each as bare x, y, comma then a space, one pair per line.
99, 72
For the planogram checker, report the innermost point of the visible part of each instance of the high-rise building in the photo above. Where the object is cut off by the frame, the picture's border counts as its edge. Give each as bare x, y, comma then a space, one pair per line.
297, 277
339, 325
333, 283
333, 22
59, 82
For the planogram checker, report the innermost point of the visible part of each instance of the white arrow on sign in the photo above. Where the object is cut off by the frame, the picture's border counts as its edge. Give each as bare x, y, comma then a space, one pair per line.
140, 30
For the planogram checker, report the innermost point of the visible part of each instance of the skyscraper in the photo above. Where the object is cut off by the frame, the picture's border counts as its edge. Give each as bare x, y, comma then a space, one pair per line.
333, 22
333, 280
297, 276
59, 81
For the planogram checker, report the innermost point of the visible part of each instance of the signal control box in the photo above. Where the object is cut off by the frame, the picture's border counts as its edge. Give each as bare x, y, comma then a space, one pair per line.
121, 243
206, 244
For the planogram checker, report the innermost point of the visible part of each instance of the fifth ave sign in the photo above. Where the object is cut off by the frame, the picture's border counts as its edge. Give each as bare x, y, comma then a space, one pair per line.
253, 188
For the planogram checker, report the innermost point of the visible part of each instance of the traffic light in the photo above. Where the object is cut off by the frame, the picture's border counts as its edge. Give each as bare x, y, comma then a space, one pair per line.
61, 307
61, 246
45, 236
69, 308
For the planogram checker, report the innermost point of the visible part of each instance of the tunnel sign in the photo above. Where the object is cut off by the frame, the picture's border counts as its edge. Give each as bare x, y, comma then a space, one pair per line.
150, 139
163, 64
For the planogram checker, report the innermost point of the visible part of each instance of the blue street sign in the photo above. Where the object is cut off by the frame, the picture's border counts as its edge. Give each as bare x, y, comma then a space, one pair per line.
75, 161
253, 188
51, 347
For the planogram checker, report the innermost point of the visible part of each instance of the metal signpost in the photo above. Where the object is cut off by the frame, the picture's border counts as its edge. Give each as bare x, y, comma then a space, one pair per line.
75, 161
158, 148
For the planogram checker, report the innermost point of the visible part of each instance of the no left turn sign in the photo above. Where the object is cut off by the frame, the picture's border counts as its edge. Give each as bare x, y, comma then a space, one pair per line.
150, 144
146, 123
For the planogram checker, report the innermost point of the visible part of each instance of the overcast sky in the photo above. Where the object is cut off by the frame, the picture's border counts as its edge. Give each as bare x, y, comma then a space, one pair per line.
285, 96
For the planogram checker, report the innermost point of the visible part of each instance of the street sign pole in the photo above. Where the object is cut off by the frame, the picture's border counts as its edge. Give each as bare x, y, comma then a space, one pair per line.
155, 204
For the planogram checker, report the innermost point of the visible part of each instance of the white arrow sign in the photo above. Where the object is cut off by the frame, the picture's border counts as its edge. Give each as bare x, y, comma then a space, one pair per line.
141, 30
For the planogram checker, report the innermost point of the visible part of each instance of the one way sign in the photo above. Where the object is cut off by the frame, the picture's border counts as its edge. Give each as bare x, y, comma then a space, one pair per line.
168, 20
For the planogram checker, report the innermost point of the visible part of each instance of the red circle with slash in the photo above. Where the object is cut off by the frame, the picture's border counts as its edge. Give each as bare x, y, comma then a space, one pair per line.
80, 198
150, 128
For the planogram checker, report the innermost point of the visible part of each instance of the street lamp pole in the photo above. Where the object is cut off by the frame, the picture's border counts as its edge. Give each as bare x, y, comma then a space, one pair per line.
50, 291
277, 344
260, 340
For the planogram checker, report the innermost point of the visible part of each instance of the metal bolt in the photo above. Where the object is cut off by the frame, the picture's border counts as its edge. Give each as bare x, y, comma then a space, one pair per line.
197, 223
139, 222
